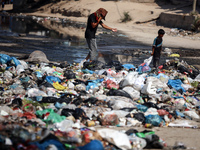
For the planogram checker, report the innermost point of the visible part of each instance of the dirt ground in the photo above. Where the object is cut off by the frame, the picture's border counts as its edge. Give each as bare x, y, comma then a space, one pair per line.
188, 46
171, 135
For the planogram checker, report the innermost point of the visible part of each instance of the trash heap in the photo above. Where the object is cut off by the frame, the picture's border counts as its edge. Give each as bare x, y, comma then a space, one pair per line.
67, 106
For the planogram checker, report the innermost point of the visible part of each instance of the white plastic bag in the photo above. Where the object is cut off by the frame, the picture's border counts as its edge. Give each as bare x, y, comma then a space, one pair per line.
119, 104
35, 92
183, 123
132, 92
115, 137
64, 125
148, 60
152, 84
119, 113
19, 69
197, 78
191, 114
139, 83
186, 86
131, 122
129, 79
151, 111
47, 70
149, 89
24, 64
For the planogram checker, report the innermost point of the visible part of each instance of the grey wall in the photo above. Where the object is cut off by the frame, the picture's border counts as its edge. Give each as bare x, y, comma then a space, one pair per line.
176, 20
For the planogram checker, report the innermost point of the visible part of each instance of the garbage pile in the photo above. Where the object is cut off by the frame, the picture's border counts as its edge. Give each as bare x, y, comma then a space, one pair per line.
177, 32
68, 106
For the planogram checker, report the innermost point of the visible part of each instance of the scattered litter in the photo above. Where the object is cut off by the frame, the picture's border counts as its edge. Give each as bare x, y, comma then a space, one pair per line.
48, 105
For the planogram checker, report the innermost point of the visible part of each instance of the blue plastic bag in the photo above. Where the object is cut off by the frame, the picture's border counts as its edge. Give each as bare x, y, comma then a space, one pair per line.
91, 85
25, 79
128, 66
155, 120
179, 114
52, 79
44, 145
87, 71
93, 145
96, 81
15, 61
4, 58
176, 84
38, 74
162, 75
142, 108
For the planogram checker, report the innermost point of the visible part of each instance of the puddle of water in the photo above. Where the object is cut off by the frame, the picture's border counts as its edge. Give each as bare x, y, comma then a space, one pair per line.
26, 25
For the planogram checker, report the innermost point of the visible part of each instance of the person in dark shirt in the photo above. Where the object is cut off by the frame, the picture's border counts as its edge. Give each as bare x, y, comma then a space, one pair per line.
93, 21
157, 48
3, 4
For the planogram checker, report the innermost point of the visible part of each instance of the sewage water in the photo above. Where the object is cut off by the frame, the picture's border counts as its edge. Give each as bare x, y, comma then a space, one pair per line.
27, 34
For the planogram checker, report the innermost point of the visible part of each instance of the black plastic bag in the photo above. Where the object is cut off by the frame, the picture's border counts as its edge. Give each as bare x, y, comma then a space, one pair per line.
54, 100
77, 101
91, 100
127, 109
140, 117
17, 101
118, 66
150, 104
67, 112
69, 74
131, 131
193, 73
94, 65
119, 92
80, 114
153, 142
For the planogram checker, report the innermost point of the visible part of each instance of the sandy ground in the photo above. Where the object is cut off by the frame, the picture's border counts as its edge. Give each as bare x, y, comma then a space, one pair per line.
139, 12
144, 33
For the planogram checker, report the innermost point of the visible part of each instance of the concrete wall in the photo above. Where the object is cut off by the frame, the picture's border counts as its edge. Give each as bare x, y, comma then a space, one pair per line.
176, 20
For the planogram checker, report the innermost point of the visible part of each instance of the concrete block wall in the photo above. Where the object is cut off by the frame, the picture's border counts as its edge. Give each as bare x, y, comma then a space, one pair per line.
176, 20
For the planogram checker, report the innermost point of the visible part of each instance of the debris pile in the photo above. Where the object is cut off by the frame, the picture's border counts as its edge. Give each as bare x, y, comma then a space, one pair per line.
48, 105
